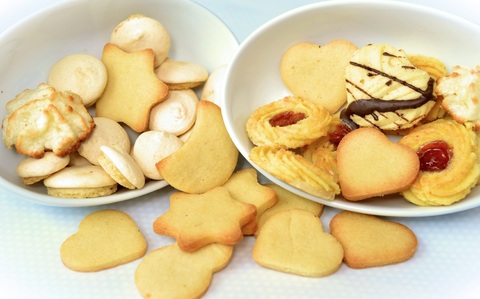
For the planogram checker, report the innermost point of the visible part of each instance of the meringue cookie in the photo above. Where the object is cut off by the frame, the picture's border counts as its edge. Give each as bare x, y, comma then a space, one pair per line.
82, 74
176, 114
139, 32
181, 74
32, 170
121, 167
151, 147
211, 89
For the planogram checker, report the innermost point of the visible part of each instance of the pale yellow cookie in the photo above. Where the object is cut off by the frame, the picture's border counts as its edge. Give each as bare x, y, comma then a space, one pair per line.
169, 272
207, 159
132, 88
196, 220
179, 75
293, 241
370, 241
290, 122
317, 72
32, 170
243, 185
287, 200
295, 170
105, 239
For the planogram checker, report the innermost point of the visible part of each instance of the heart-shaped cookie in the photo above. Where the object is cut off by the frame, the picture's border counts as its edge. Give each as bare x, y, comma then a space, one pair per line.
317, 73
370, 164
293, 241
105, 239
370, 241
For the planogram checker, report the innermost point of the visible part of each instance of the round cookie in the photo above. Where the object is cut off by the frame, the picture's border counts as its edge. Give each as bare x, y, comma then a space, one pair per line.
176, 114
80, 182
32, 170
180, 75
106, 132
152, 146
82, 74
121, 167
139, 32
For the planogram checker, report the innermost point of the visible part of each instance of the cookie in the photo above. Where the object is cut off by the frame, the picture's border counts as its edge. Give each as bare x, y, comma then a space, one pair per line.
243, 185
43, 119
169, 272
293, 241
176, 114
139, 32
105, 239
290, 122
83, 181
449, 166
317, 73
152, 146
132, 87
460, 93
370, 241
385, 90
196, 220
213, 86
207, 159
121, 167
107, 132
287, 200
32, 170
180, 75
295, 170
82, 74
370, 165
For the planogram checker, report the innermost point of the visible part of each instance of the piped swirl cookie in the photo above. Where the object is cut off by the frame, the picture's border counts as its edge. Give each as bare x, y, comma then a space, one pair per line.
449, 166
385, 90
288, 123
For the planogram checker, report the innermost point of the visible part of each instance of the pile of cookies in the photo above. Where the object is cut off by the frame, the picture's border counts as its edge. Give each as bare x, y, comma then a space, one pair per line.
101, 124
333, 134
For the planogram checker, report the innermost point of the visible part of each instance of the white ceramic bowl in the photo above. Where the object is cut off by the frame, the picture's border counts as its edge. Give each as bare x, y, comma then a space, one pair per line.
29, 49
253, 78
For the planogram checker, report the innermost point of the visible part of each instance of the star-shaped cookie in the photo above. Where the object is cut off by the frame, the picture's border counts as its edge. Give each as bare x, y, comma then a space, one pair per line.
196, 220
132, 87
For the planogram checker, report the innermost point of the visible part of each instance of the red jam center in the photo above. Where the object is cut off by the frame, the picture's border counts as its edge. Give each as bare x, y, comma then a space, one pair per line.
286, 118
434, 156
338, 133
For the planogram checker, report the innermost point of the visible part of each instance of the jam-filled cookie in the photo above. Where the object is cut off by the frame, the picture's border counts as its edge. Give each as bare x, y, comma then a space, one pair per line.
449, 166
290, 122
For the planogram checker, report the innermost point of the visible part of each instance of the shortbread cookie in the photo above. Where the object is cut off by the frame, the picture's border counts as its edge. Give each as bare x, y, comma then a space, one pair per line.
32, 170
107, 132
176, 114
296, 171
385, 90
44, 119
207, 159
288, 123
105, 239
449, 166
243, 185
460, 94
294, 242
83, 181
196, 220
169, 272
370, 241
152, 146
317, 73
139, 32
287, 200
370, 165
179, 75
121, 167
132, 87
82, 74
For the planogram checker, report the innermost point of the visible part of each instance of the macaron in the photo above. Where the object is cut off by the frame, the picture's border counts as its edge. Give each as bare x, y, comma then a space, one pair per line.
121, 167
83, 181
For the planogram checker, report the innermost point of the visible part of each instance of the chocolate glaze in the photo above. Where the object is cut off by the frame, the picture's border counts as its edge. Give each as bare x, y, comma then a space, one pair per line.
363, 107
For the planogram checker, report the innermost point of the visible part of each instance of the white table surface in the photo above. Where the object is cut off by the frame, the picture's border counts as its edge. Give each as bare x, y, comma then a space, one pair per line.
446, 264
